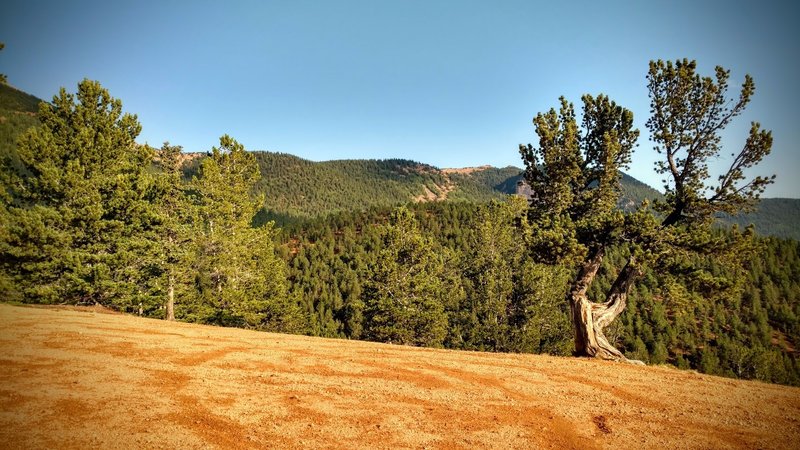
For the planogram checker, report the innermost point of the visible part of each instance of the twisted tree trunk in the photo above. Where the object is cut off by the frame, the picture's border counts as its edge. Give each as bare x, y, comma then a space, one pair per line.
589, 318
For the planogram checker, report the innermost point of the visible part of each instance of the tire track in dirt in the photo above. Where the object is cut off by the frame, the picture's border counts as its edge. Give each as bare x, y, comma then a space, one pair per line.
198, 358
431, 377
622, 394
213, 428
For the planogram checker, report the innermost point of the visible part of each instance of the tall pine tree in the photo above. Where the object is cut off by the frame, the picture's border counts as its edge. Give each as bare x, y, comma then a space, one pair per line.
241, 280
78, 196
513, 304
175, 231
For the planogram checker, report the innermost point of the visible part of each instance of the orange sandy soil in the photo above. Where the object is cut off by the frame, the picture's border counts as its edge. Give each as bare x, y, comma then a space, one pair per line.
84, 379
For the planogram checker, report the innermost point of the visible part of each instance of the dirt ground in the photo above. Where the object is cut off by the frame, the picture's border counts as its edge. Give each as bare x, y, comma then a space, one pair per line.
87, 379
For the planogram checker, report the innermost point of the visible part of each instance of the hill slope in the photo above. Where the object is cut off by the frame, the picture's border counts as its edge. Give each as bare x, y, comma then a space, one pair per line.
76, 379
302, 188
17, 113
298, 188
779, 217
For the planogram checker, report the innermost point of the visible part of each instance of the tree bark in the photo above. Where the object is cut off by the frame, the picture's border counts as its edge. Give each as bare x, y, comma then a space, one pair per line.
171, 298
590, 319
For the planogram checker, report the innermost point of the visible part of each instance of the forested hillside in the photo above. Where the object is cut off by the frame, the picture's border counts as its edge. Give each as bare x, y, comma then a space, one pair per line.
300, 188
17, 113
297, 189
779, 217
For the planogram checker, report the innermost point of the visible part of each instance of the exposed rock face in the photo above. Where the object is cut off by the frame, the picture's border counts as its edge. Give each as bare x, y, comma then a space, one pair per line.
440, 194
466, 170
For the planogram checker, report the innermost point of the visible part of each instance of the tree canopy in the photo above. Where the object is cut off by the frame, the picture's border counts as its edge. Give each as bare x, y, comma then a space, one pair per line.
91, 217
241, 280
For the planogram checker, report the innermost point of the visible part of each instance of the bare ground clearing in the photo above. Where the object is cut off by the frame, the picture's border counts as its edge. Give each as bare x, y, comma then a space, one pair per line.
84, 379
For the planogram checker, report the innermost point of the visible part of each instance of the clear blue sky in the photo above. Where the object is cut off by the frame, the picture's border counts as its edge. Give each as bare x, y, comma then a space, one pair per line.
449, 83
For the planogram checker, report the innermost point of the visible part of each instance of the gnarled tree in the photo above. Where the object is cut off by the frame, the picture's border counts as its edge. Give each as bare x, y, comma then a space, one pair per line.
575, 172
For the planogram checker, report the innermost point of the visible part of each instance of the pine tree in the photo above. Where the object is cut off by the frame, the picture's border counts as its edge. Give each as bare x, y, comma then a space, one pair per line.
492, 262
513, 304
405, 294
575, 177
78, 195
242, 281
175, 231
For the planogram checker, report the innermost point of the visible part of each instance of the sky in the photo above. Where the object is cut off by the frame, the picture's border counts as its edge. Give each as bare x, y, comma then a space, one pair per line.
448, 83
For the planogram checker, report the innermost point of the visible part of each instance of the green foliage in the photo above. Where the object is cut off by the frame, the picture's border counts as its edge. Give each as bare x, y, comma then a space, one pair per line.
634, 192
483, 184
240, 279
291, 196
771, 217
744, 332
329, 260
78, 198
298, 188
89, 216
174, 233
406, 292
14, 100
575, 176
513, 304
303, 188
333, 260
17, 114
688, 114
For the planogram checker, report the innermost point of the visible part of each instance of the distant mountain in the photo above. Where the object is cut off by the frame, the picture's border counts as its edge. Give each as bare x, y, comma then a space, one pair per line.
778, 217
634, 192
297, 188
302, 188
